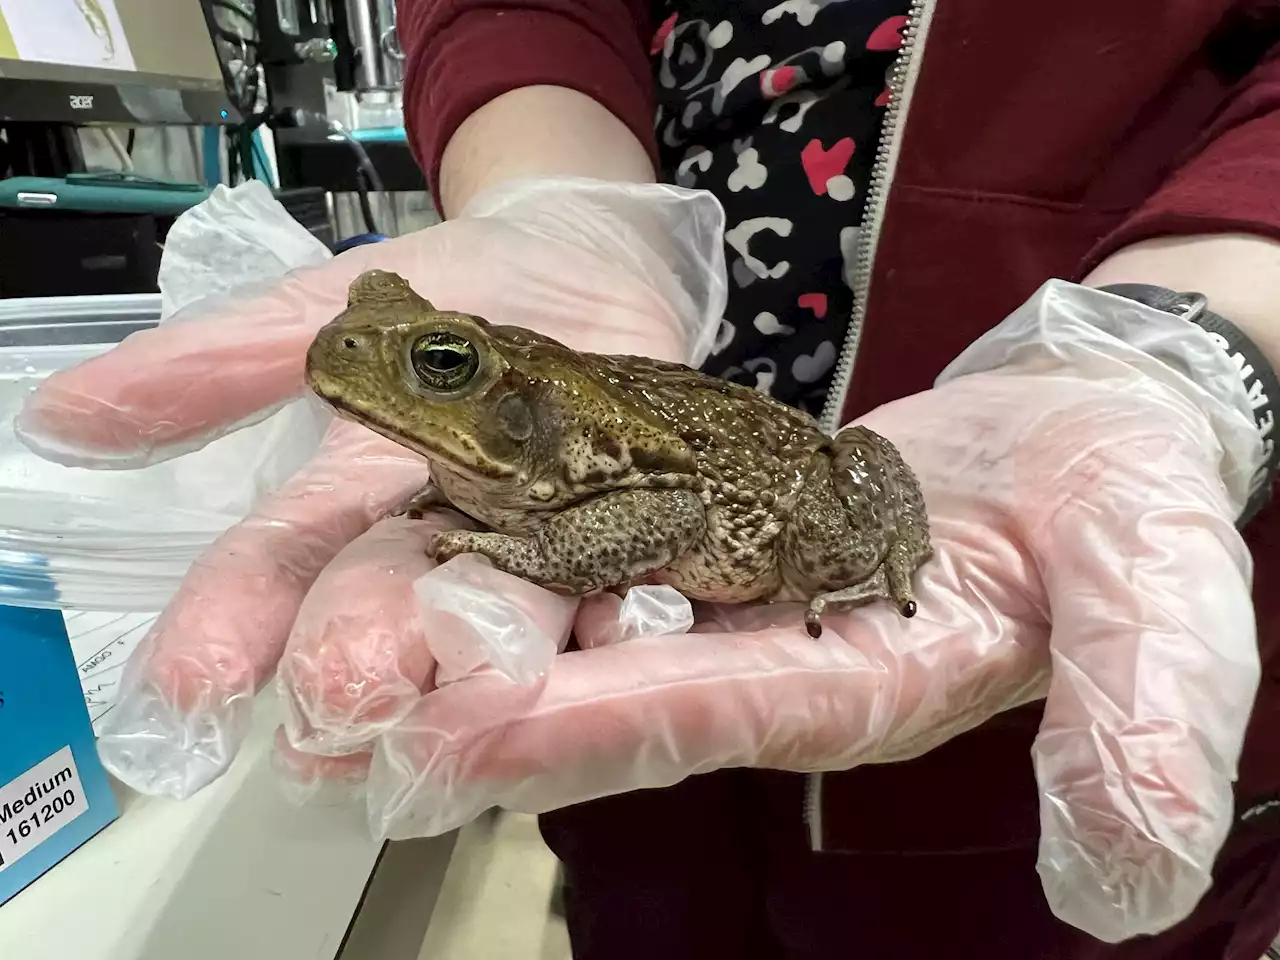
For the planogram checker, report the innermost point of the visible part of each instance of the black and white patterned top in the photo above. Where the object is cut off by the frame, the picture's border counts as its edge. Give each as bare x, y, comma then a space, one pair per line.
775, 106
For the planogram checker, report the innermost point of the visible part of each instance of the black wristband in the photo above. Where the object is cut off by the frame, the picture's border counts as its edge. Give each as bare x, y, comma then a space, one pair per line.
1256, 374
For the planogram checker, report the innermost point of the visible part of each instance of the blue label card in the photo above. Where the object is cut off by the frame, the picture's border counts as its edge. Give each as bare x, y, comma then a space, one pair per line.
54, 793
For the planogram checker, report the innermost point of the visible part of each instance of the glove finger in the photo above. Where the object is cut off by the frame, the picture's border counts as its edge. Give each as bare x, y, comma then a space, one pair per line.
382, 623
479, 619
307, 773
357, 658
225, 629
1155, 664
171, 389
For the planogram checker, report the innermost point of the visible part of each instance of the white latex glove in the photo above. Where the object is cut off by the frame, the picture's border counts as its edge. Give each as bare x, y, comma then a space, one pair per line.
1082, 491
621, 268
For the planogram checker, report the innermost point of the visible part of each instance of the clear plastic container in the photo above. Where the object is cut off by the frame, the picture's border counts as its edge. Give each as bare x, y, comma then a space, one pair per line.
116, 540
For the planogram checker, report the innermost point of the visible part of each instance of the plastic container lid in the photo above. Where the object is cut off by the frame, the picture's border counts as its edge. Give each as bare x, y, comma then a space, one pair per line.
117, 540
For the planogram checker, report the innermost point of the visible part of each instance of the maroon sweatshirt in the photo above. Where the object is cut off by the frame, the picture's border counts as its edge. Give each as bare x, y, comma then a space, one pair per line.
1037, 139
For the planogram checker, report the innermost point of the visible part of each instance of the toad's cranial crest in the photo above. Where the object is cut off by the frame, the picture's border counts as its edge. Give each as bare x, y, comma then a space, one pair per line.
595, 471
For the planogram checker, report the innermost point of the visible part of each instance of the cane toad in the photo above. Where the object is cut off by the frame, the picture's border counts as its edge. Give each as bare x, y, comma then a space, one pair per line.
595, 472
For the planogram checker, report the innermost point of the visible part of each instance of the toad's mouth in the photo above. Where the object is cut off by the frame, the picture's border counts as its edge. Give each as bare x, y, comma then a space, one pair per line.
476, 466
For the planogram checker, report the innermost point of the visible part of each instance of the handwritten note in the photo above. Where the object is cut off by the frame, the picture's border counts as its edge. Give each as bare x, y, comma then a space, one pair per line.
102, 643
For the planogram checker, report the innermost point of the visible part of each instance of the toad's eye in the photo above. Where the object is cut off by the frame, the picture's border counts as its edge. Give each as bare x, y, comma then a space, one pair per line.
444, 361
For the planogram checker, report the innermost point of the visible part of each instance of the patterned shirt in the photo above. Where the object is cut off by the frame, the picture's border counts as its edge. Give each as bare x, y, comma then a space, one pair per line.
776, 108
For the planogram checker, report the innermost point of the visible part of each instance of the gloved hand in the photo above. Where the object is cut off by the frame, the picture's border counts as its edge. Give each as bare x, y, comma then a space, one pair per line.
601, 266
1082, 489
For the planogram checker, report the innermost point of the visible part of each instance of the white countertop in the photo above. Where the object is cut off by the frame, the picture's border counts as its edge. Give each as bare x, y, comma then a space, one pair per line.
237, 870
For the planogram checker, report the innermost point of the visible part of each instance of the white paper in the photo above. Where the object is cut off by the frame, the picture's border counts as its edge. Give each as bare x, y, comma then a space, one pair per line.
101, 643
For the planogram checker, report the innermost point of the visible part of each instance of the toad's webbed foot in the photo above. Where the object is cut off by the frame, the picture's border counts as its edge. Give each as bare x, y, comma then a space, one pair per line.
891, 581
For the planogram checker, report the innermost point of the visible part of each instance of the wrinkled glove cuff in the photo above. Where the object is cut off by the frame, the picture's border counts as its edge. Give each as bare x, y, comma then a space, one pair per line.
1256, 374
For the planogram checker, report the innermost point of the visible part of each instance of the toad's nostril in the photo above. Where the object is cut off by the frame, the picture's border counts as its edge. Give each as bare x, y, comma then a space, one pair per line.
350, 343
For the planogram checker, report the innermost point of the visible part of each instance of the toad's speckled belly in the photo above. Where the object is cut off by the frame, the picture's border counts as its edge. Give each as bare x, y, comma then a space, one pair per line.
708, 573
736, 560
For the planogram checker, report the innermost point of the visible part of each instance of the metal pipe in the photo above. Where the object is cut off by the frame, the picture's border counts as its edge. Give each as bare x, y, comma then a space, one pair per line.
362, 22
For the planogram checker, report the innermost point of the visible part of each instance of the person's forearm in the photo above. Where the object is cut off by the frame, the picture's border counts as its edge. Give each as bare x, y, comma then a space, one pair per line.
538, 131
1240, 275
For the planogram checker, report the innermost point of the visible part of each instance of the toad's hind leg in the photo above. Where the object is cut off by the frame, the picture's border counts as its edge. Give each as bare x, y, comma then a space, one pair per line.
611, 540
884, 509
891, 581
880, 492
875, 587
905, 555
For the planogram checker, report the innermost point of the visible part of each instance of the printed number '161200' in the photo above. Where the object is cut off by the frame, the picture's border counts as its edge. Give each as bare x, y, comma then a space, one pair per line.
38, 803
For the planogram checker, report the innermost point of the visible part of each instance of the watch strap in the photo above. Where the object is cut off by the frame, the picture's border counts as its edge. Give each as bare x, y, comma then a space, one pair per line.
1256, 374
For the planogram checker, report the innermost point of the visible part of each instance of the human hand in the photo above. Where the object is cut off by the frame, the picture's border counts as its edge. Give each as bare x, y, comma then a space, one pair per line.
1082, 493
612, 267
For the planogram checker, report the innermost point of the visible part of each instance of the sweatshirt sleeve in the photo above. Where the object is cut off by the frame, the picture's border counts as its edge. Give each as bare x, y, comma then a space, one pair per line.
1230, 179
460, 54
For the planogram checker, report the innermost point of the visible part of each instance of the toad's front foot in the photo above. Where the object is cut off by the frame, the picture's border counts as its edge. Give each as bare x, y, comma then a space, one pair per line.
428, 498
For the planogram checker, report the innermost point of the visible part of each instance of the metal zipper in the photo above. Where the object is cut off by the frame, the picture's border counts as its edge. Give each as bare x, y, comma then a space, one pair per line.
901, 84
813, 810
902, 81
